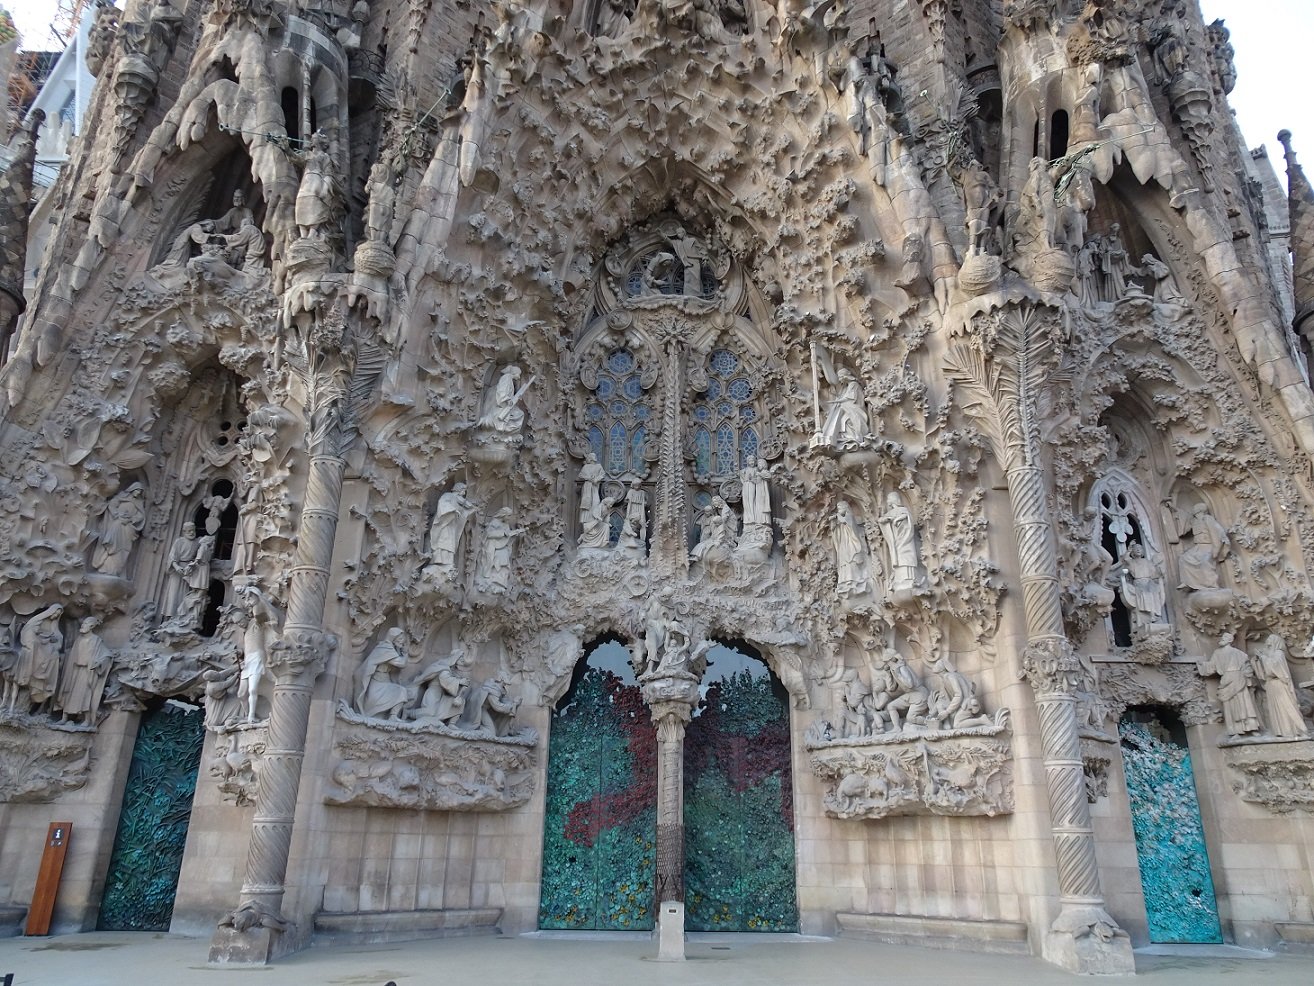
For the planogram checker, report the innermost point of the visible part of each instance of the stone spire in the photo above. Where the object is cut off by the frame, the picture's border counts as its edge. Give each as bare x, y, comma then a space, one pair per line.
1300, 203
15, 206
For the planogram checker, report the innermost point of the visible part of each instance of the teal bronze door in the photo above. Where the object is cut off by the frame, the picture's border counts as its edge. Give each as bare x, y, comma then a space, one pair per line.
1170, 845
601, 810
738, 802
157, 804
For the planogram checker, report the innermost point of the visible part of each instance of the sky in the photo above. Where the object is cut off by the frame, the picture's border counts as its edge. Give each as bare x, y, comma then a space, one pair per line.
1271, 38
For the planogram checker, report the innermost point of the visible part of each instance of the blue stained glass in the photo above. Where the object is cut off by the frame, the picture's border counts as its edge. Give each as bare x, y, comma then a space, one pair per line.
702, 451
594, 412
713, 389
633, 387
621, 361
618, 450
618, 408
702, 412
637, 443
605, 386
724, 362
617, 525
595, 441
747, 446
642, 412
740, 390
725, 450
724, 408
748, 413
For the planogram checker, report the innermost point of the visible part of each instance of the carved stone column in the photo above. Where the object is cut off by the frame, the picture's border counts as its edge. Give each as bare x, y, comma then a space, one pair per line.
334, 363
671, 699
1002, 365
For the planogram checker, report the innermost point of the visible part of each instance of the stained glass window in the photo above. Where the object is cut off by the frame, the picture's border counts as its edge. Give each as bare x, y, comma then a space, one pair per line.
618, 415
725, 418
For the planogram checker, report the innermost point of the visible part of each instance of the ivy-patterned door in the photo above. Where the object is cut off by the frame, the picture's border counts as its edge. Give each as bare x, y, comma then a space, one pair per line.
1170, 846
157, 804
738, 802
600, 819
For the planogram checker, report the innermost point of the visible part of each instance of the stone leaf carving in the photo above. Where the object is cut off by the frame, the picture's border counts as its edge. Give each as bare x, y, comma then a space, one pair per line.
962, 772
430, 766
40, 761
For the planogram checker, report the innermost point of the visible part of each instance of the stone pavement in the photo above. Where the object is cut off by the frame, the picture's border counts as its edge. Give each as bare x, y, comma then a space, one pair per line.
145, 959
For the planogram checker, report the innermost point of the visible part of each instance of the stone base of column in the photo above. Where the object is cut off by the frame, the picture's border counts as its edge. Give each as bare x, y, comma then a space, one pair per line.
1086, 941
670, 931
254, 946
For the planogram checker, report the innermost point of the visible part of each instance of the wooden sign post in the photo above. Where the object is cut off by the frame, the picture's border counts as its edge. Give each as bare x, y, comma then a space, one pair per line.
47, 883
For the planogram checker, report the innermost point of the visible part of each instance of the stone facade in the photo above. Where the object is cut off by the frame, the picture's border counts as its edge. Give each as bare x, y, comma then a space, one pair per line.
387, 357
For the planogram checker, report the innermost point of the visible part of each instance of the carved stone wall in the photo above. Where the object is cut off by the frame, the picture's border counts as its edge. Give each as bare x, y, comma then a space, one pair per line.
387, 357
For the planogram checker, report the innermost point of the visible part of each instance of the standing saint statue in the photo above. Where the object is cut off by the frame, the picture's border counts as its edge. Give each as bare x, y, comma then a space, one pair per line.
83, 681
591, 475
448, 529
318, 194
900, 536
260, 618
493, 570
125, 516
41, 643
1274, 674
1232, 666
851, 558
189, 578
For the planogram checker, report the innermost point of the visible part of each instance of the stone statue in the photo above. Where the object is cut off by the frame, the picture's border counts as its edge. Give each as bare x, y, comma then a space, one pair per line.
1274, 675
1038, 217
41, 644
318, 194
489, 710
846, 419
195, 235
378, 694
909, 695
1199, 563
634, 531
596, 528
125, 516
222, 705
444, 686
591, 475
1232, 666
900, 536
240, 213
980, 202
1165, 285
247, 246
1114, 264
851, 557
718, 531
855, 706
189, 578
756, 495
493, 569
505, 416
1142, 587
562, 650
260, 619
85, 670
448, 530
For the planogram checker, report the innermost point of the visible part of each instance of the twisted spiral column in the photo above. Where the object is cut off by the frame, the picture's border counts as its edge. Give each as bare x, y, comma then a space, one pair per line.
296, 661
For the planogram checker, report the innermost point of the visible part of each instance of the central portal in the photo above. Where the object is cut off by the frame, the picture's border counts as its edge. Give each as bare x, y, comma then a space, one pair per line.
599, 840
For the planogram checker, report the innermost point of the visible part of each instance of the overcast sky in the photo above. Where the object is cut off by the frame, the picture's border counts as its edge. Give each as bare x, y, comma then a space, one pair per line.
1272, 40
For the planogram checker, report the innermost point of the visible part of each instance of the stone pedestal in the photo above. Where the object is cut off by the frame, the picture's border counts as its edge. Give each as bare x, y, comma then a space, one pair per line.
254, 946
670, 931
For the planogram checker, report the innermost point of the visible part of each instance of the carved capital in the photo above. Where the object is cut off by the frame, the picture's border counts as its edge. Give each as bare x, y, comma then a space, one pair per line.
303, 653
1052, 668
671, 717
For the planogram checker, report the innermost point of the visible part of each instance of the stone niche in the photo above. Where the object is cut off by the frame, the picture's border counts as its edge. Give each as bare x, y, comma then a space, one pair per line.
398, 764
952, 772
40, 760
1278, 774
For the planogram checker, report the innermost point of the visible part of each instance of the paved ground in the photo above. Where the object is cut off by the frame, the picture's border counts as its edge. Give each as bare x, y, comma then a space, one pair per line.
145, 959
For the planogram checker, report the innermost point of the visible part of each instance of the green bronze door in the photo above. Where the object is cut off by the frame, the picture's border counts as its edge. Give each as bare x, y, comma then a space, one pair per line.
601, 808
738, 807
157, 804
1170, 845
